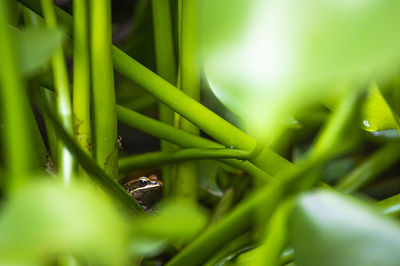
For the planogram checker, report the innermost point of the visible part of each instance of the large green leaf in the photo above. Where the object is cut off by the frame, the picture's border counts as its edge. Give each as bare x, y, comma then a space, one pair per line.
45, 219
36, 46
286, 54
328, 228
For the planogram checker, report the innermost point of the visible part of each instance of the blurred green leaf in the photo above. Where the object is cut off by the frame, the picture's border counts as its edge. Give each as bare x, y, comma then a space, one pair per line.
45, 218
36, 46
376, 113
328, 228
286, 54
174, 220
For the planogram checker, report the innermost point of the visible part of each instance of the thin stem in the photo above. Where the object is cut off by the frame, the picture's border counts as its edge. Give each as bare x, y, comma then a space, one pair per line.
330, 140
239, 219
370, 168
63, 98
192, 110
231, 250
198, 114
108, 184
154, 159
269, 251
104, 113
81, 77
166, 68
18, 143
390, 206
141, 103
181, 138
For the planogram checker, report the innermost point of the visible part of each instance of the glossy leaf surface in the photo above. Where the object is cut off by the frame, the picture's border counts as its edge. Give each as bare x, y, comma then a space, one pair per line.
328, 228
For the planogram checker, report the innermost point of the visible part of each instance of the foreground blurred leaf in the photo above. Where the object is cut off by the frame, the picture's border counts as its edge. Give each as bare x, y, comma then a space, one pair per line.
36, 46
328, 228
46, 219
376, 113
175, 222
293, 52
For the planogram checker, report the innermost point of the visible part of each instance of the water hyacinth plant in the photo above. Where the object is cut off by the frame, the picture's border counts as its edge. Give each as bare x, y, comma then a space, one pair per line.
199, 132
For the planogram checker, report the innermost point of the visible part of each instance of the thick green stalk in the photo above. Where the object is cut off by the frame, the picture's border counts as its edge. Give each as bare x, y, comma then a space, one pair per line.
205, 119
81, 76
104, 113
192, 110
63, 97
164, 43
181, 138
166, 68
370, 168
186, 183
17, 141
154, 159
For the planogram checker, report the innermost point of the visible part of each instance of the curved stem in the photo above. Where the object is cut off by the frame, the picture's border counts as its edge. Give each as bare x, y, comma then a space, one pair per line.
370, 168
205, 119
181, 138
154, 159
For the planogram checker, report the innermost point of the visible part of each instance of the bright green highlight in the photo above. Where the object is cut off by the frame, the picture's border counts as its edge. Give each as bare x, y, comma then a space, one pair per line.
104, 113
17, 139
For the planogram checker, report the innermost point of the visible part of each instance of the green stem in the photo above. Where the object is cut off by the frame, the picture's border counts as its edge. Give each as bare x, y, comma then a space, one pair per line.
330, 140
108, 184
181, 138
239, 220
141, 104
370, 168
224, 205
198, 114
192, 110
186, 183
63, 98
81, 77
166, 68
49, 98
18, 143
154, 159
188, 63
104, 113
231, 250
163, 38
390, 206
277, 235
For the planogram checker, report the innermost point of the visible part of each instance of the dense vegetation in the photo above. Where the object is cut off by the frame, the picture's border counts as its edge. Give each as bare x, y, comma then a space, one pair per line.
273, 125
